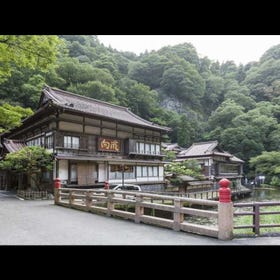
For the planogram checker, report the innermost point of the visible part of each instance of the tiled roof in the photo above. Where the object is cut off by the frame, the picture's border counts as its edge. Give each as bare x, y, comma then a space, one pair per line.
13, 145
235, 159
206, 149
199, 149
75, 102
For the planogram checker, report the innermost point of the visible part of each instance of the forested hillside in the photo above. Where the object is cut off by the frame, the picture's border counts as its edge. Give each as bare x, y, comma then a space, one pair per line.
200, 99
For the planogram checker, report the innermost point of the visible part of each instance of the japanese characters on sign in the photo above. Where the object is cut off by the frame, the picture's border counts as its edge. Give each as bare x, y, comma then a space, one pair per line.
109, 145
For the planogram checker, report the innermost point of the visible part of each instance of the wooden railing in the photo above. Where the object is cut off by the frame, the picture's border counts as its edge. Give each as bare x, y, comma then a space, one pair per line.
107, 202
256, 213
32, 194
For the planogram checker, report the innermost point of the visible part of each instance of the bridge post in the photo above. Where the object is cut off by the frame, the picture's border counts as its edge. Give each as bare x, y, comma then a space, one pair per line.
178, 217
57, 186
139, 210
88, 200
110, 204
225, 211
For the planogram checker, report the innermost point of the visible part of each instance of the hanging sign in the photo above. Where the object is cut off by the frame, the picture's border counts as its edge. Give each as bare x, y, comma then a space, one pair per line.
109, 145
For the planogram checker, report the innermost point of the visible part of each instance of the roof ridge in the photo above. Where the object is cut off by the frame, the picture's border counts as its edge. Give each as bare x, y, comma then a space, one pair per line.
52, 91
87, 97
206, 142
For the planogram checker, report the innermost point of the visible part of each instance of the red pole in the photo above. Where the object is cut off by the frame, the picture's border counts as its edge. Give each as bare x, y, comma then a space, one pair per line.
57, 183
224, 190
106, 185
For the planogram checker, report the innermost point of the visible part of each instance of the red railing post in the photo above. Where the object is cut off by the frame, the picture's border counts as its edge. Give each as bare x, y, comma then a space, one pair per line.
106, 185
57, 186
57, 183
225, 211
224, 190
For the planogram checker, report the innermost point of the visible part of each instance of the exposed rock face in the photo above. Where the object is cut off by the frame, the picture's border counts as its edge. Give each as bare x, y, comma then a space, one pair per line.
172, 103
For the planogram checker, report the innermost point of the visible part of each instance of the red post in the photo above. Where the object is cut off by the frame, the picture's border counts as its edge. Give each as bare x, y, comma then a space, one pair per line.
57, 183
106, 185
224, 190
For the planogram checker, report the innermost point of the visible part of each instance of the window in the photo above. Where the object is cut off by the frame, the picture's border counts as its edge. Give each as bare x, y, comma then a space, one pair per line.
153, 149
147, 171
147, 148
71, 142
39, 141
116, 171
158, 149
73, 173
142, 149
144, 171
49, 142
229, 168
155, 171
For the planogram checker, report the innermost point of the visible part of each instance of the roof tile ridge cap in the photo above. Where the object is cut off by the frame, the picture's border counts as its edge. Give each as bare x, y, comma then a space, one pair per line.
88, 98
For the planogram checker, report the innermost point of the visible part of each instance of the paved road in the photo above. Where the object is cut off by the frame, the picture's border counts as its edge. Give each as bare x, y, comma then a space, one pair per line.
24, 222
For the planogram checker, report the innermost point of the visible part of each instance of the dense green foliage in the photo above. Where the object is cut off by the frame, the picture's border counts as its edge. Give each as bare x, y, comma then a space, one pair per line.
11, 116
200, 99
267, 163
35, 52
30, 160
189, 167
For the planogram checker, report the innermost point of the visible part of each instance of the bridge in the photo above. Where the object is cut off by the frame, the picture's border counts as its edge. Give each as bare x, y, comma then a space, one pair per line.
40, 222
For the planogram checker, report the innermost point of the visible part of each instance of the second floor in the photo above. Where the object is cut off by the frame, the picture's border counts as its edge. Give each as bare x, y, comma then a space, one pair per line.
65, 142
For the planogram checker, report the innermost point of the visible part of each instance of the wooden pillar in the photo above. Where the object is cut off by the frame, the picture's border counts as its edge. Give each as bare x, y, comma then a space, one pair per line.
88, 200
139, 210
177, 216
110, 204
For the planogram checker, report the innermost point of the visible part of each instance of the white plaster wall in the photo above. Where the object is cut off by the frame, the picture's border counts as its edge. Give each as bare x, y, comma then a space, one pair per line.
63, 169
160, 171
102, 172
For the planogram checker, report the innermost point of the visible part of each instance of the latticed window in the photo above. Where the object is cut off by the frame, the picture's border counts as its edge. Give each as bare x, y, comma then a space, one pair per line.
71, 142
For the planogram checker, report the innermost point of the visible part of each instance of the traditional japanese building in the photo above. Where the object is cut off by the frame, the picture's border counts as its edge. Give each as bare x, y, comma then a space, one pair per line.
92, 141
215, 162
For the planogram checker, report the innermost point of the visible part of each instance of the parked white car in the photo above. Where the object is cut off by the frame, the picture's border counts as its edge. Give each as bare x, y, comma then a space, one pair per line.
126, 187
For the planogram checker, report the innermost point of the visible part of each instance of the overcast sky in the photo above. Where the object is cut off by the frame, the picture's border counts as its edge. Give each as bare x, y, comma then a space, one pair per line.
239, 48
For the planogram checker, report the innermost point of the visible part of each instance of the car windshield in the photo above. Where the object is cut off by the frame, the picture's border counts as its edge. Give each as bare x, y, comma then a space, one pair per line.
128, 188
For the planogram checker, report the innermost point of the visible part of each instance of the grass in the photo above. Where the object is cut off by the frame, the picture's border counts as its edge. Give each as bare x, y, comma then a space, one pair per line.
264, 219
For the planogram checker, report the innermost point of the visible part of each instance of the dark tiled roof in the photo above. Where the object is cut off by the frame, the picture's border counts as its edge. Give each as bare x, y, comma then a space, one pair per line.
207, 149
199, 149
13, 145
235, 159
95, 107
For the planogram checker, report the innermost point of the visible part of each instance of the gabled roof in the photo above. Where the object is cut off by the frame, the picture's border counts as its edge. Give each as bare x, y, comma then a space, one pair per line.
199, 149
203, 149
171, 146
13, 145
235, 159
79, 103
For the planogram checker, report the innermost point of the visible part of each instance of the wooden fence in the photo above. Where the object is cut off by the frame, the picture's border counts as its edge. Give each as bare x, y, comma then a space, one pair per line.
32, 194
255, 212
107, 202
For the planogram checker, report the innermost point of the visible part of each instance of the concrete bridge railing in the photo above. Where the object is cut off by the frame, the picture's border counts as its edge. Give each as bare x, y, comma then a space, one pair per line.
115, 203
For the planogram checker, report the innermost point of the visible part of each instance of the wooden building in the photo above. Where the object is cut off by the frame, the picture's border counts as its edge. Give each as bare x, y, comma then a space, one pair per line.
215, 162
93, 141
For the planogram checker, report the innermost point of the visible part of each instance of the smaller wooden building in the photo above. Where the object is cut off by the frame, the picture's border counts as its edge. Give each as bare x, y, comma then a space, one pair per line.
215, 162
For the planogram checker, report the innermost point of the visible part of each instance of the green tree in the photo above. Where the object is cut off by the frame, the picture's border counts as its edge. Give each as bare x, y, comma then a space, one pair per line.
27, 51
188, 167
267, 164
32, 161
11, 116
95, 89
